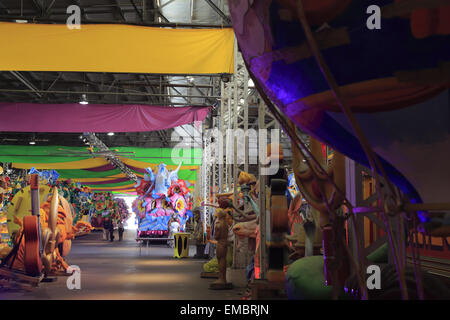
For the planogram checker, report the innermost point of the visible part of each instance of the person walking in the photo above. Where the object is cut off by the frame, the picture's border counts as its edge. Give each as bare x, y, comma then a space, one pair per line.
106, 223
174, 227
120, 229
111, 231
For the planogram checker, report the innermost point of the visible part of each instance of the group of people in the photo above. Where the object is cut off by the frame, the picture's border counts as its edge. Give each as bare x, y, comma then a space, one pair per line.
108, 229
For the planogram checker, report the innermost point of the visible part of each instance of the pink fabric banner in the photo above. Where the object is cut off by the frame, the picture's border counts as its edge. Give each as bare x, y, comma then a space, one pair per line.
31, 117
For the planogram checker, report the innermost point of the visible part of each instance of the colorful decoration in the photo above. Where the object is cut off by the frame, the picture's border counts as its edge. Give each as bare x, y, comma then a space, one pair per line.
292, 186
50, 176
389, 99
5, 240
162, 195
96, 173
122, 208
105, 205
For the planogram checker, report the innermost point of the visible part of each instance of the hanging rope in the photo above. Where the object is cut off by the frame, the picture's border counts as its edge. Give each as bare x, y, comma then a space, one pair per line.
371, 156
307, 155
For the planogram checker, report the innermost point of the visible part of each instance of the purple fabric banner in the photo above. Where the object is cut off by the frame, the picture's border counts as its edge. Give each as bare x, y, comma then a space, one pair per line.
31, 117
140, 170
106, 167
107, 181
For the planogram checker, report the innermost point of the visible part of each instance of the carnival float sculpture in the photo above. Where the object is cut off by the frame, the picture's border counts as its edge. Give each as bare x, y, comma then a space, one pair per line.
5, 191
221, 232
317, 64
224, 213
161, 195
242, 218
80, 199
42, 234
103, 206
122, 209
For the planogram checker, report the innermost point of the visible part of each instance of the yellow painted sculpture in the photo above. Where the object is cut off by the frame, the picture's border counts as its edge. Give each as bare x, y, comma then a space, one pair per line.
221, 236
322, 195
305, 238
57, 233
315, 189
20, 205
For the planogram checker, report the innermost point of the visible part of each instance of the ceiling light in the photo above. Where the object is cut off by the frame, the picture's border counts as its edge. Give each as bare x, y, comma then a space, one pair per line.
225, 77
84, 99
110, 133
32, 142
251, 84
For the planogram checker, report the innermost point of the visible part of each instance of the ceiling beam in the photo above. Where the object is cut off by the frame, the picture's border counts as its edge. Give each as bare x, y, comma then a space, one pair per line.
31, 18
124, 83
4, 8
118, 10
139, 14
218, 11
27, 83
112, 158
107, 93
38, 4
49, 8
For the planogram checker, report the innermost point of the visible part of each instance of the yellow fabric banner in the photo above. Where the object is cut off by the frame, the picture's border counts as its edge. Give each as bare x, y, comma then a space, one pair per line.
80, 164
126, 187
145, 165
86, 180
115, 48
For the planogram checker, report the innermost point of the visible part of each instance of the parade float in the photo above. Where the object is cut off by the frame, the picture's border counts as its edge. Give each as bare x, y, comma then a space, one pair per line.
81, 199
104, 205
40, 228
161, 196
18, 202
101, 203
5, 192
390, 115
123, 212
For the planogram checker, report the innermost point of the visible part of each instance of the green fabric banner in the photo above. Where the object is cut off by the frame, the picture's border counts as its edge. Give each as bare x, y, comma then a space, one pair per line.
42, 154
54, 154
50, 154
80, 174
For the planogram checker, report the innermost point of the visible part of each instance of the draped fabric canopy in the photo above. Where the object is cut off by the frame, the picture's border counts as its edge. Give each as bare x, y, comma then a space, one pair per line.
74, 117
116, 48
75, 163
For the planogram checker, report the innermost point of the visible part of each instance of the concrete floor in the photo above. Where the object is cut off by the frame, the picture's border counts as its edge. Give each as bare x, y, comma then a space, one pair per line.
116, 271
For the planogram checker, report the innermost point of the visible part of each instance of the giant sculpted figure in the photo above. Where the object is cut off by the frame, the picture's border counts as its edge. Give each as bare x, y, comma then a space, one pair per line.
221, 236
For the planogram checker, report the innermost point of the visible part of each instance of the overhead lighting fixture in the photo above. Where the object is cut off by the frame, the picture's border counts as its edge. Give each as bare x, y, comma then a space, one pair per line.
84, 100
21, 21
251, 84
32, 142
110, 133
225, 77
